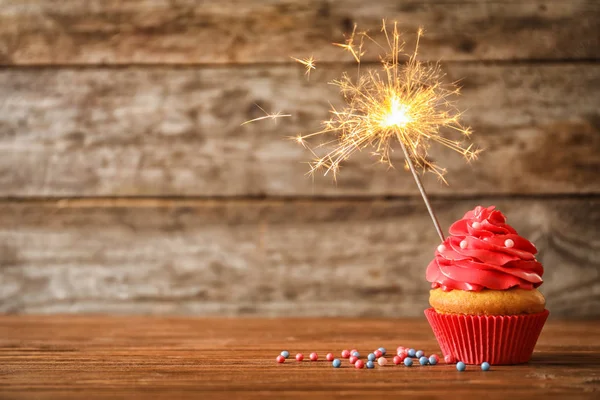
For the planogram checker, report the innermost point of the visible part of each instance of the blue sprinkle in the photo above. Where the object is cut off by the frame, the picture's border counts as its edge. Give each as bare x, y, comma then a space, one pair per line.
371, 357
370, 364
461, 366
356, 354
411, 352
382, 350
285, 354
419, 354
432, 360
408, 361
423, 360
336, 363
485, 366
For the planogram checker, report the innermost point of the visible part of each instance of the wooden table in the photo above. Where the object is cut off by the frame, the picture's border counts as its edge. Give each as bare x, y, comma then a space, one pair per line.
54, 357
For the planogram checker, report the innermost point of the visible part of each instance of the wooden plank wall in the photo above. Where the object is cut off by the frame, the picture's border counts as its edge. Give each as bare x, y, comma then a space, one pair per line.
128, 186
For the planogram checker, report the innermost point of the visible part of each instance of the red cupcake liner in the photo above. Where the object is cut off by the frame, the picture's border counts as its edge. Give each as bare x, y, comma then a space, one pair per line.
497, 339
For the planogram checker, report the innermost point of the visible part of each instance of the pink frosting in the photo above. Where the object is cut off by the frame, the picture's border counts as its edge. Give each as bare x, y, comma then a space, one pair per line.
484, 261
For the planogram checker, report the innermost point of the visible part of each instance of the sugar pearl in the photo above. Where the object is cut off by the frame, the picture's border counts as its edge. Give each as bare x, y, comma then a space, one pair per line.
299, 357
356, 354
359, 364
345, 353
434, 359
353, 359
419, 353
329, 357
461, 366
314, 357
377, 353
336, 363
400, 348
370, 364
382, 350
476, 225
463, 244
397, 360
509, 243
448, 359
382, 361
423, 360
412, 352
441, 248
485, 366
280, 359
408, 361
285, 353
371, 357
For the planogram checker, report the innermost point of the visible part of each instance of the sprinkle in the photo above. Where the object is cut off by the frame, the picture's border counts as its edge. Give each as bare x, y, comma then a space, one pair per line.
382, 350
314, 356
370, 364
371, 357
359, 364
285, 354
280, 359
382, 361
441, 248
329, 357
423, 360
476, 225
509, 243
434, 359
397, 360
419, 353
336, 363
411, 352
408, 362
463, 244
353, 359
299, 357
355, 354
448, 359
345, 353
485, 366
460, 366
377, 353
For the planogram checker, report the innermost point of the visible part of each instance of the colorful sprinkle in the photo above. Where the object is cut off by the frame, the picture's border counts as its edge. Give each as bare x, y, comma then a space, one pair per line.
397, 360
345, 353
353, 359
423, 360
461, 366
509, 243
411, 352
285, 354
371, 357
441, 248
433, 360
280, 359
370, 364
355, 354
377, 353
408, 361
299, 357
336, 363
382, 361
314, 356
485, 366
419, 353
463, 244
329, 357
382, 350
359, 364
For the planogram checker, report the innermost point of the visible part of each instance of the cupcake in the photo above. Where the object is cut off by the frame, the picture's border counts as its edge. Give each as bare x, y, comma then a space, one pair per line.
484, 297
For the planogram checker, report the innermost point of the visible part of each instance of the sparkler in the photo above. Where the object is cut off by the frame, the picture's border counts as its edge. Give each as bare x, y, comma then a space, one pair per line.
309, 64
404, 100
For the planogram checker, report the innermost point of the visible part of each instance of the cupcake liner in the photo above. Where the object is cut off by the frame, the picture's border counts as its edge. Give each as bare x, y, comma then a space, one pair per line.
497, 339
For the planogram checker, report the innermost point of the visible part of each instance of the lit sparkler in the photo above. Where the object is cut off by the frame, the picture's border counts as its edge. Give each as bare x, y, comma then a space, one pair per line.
309, 64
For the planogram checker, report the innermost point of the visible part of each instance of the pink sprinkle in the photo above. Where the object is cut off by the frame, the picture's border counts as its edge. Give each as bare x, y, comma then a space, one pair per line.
329, 357
359, 364
299, 357
280, 359
353, 359
345, 353
437, 359
509, 243
398, 360
314, 357
382, 361
441, 248
463, 244
476, 225
449, 359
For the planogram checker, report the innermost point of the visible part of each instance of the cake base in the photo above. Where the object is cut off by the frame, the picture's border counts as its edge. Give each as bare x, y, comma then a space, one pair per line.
497, 339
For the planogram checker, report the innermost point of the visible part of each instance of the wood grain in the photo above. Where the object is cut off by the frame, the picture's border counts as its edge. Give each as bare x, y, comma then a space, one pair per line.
277, 258
251, 31
162, 131
118, 357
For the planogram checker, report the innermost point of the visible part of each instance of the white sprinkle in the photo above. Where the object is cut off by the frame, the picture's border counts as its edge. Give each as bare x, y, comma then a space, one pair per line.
463, 244
509, 243
476, 225
441, 248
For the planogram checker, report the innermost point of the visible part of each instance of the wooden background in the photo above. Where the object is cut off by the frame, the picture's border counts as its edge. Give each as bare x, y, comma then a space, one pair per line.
128, 186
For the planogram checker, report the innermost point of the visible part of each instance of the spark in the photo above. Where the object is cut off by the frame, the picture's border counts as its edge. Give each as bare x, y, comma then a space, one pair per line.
402, 100
309, 64
267, 115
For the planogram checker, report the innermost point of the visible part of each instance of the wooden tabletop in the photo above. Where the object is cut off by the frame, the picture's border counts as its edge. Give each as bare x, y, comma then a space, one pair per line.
54, 357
